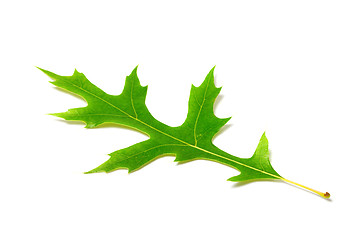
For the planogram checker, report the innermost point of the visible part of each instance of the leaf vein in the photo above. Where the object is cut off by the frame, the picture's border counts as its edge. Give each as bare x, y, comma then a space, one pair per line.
131, 98
151, 149
201, 106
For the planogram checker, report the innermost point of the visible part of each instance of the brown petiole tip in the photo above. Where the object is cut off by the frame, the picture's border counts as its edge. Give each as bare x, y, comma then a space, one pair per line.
327, 195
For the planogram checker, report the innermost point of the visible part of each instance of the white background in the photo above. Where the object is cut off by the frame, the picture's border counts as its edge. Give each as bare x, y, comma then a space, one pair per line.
290, 68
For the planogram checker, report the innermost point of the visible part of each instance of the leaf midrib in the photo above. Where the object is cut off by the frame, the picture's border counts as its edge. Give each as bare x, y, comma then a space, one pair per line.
186, 143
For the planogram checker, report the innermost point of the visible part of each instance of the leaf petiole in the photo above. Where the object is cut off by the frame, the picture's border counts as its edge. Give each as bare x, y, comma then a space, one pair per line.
324, 195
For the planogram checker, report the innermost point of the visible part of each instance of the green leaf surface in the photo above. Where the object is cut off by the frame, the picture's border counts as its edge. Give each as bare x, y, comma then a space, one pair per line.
190, 141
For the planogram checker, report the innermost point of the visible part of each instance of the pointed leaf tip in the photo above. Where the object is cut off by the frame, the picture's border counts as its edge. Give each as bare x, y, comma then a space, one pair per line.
49, 74
134, 71
95, 170
263, 142
212, 70
43, 70
263, 137
209, 78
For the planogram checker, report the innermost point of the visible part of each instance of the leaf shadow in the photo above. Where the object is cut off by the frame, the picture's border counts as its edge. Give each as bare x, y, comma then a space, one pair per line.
303, 189
219, 98
226, 126
243, 183
70, 93
240, 184
137, 169
103, 125
223, 129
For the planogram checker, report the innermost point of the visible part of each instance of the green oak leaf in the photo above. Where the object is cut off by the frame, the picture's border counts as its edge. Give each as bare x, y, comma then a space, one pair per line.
190, 141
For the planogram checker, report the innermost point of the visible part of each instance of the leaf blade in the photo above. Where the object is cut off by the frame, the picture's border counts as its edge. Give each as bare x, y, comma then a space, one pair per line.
193, 139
